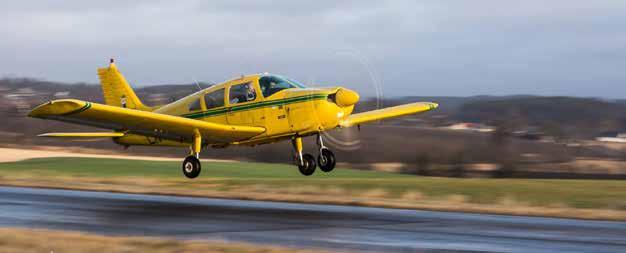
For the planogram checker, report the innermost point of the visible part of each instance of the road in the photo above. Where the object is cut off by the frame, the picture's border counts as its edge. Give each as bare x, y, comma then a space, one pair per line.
303, 225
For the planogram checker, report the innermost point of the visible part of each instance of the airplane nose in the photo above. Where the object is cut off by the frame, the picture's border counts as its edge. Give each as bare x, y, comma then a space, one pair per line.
346, 97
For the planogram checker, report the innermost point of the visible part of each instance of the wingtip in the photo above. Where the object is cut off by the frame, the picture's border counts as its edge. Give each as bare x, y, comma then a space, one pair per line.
59, 107
47, 135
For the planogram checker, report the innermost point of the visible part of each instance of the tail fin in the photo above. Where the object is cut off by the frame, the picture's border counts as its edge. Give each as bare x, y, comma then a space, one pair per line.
117, 91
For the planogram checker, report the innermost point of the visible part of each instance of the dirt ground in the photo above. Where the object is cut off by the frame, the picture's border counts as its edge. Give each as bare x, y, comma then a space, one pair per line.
15, 154
14, 240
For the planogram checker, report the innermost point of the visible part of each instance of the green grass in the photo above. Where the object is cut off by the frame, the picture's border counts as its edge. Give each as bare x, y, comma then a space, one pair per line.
100, 167
602, 194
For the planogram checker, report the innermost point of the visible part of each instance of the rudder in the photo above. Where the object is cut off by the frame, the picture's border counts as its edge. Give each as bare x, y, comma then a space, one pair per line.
117, 91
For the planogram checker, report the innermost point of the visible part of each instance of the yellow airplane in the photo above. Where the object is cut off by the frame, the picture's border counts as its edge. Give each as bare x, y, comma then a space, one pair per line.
250, 110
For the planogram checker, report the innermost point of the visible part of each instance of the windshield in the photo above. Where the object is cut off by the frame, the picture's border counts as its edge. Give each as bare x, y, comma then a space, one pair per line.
295, 83
271, 84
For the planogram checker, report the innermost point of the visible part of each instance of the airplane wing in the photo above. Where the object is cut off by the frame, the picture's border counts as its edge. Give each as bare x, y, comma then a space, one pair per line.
139, 122
387, 113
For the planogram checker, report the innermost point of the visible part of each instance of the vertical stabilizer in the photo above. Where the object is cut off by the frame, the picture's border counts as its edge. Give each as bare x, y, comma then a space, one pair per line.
117, 91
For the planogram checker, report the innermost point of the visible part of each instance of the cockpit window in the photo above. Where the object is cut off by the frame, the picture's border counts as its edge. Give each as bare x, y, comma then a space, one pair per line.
195, 105
214, 99
272, 84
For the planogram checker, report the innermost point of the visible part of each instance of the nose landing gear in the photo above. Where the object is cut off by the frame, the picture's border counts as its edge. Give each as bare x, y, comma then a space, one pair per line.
326, 158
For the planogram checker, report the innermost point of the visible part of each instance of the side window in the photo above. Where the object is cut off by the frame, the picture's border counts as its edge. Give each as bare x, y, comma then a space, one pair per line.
214, 99
195, 105
241, 93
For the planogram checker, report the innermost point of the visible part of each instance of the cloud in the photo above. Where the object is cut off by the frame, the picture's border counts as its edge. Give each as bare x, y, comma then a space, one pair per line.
410, 47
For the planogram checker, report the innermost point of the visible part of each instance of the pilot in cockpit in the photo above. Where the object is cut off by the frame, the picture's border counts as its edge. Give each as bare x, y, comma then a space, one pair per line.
247, 93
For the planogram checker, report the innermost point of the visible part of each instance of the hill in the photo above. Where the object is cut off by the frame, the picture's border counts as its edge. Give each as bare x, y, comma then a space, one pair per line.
578, 117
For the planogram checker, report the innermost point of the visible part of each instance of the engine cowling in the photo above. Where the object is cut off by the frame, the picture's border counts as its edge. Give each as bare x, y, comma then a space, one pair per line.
345, 97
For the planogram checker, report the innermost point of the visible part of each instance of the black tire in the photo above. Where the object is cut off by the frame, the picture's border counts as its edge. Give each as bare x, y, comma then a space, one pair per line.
191, 167
326, 160
308, 166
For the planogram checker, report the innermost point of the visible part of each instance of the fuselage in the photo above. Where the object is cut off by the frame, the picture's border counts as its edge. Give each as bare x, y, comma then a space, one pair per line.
285, 108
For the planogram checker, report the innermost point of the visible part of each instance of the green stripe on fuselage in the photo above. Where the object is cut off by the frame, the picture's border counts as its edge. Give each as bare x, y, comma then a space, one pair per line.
256, 105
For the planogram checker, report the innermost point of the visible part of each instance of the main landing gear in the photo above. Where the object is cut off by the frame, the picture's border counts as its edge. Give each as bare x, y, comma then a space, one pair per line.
191, 164
306, 162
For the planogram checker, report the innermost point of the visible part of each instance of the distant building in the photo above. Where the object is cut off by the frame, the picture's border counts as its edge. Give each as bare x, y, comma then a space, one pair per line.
617, 138
62, 94
471, 127
20, 93
531, 133
158, 99
611, 139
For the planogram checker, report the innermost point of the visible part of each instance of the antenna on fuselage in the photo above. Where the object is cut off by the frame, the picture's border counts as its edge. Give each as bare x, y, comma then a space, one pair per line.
197, 84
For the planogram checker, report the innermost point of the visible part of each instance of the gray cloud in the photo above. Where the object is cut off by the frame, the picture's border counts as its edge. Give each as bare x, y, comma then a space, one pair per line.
430, 47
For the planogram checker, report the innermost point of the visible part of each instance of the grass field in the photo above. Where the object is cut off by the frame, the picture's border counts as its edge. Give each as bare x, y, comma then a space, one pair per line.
601, 199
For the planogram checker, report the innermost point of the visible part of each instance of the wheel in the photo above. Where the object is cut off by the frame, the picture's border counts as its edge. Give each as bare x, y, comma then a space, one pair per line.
326, 160
191, 167
308, 165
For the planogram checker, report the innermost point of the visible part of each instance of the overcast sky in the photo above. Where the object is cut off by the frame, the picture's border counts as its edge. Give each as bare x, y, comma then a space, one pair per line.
431, 47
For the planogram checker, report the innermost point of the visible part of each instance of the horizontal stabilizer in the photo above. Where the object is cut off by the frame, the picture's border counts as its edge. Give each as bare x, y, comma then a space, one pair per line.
84, 135
387, 113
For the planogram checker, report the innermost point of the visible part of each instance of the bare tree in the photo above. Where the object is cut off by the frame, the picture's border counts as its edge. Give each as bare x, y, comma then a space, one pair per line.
458, 168
422, 164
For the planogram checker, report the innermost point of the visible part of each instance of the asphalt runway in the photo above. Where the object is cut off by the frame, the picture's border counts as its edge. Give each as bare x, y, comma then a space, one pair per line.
340, 228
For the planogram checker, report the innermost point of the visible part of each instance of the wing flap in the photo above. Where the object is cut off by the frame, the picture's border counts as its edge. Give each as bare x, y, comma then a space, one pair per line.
387, 113
141, 122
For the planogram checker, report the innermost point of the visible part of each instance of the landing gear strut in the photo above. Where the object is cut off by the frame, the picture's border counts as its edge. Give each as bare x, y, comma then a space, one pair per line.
306, 162
326, 158
191, 164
